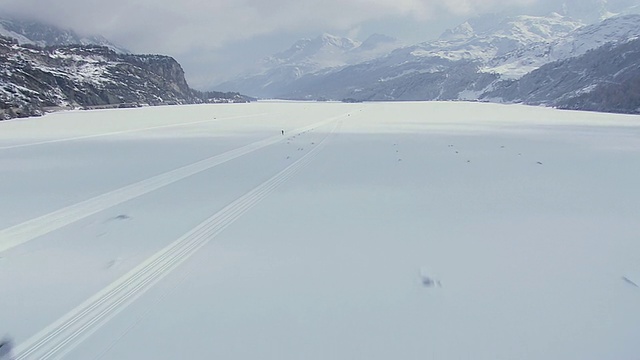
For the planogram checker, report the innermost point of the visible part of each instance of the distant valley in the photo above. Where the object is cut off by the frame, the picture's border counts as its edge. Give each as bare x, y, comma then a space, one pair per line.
554, 60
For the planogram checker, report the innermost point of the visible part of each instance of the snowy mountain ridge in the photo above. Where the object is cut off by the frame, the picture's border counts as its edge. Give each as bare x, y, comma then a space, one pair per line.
603, 79
329, 51
523, 60
314, 54
476, 60
490, 36
477, 40
323, 54
30, 32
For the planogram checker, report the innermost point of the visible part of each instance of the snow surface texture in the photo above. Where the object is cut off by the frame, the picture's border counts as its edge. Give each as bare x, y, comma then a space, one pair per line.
366, 231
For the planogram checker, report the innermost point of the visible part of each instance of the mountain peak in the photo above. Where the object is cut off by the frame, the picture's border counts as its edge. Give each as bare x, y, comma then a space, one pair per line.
341, 42
462, 31
376, 40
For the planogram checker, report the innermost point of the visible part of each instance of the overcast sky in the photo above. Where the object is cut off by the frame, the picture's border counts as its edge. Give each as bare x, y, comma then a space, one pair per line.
213, 39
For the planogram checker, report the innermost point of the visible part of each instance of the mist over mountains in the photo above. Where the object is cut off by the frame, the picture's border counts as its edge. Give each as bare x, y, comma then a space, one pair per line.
31, 32
482, 59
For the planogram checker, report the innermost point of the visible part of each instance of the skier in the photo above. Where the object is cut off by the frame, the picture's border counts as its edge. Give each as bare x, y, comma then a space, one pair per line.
282, 132
6, 345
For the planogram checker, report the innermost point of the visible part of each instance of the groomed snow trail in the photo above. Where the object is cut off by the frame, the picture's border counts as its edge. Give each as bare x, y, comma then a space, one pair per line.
62, 336
21, 233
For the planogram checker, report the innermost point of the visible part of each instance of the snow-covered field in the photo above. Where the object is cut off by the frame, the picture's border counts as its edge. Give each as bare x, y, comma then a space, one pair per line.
367, 231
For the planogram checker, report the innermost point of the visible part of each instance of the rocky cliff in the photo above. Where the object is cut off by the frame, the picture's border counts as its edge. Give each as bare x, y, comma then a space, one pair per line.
34, 79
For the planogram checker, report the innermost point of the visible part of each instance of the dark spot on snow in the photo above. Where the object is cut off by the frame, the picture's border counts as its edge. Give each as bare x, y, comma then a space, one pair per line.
122, 217
113, 263
430, 282
629, 281
539, 163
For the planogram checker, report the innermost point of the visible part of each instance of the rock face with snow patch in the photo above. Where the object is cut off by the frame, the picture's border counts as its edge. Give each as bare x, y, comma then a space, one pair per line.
33, 79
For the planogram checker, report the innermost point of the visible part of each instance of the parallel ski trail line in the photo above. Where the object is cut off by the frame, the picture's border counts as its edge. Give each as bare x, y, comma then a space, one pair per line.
21, 233
61, 337
112, 133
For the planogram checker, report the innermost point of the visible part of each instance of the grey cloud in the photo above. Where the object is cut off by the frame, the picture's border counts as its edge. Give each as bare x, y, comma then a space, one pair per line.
179, 26
198, 32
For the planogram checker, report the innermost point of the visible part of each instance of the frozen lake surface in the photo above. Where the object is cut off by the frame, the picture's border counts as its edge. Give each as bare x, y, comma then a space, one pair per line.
366, 231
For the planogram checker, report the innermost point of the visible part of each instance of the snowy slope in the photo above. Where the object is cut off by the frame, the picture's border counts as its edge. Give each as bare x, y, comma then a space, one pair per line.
604, 79
310, 55
319, 244
525, 59
490, 36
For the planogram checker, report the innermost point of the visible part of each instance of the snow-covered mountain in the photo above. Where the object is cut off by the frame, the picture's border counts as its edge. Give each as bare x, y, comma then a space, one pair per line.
604, 79
323, 54
41, 34
525, 59
476, 60
287, 74
491, 36
309, 55
421, 72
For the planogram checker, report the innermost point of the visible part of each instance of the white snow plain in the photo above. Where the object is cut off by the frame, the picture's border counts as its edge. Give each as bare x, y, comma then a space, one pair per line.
367, 231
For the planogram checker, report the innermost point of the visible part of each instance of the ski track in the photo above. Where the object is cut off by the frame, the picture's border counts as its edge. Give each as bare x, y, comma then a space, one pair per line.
112, 133
62, 336
26, 231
